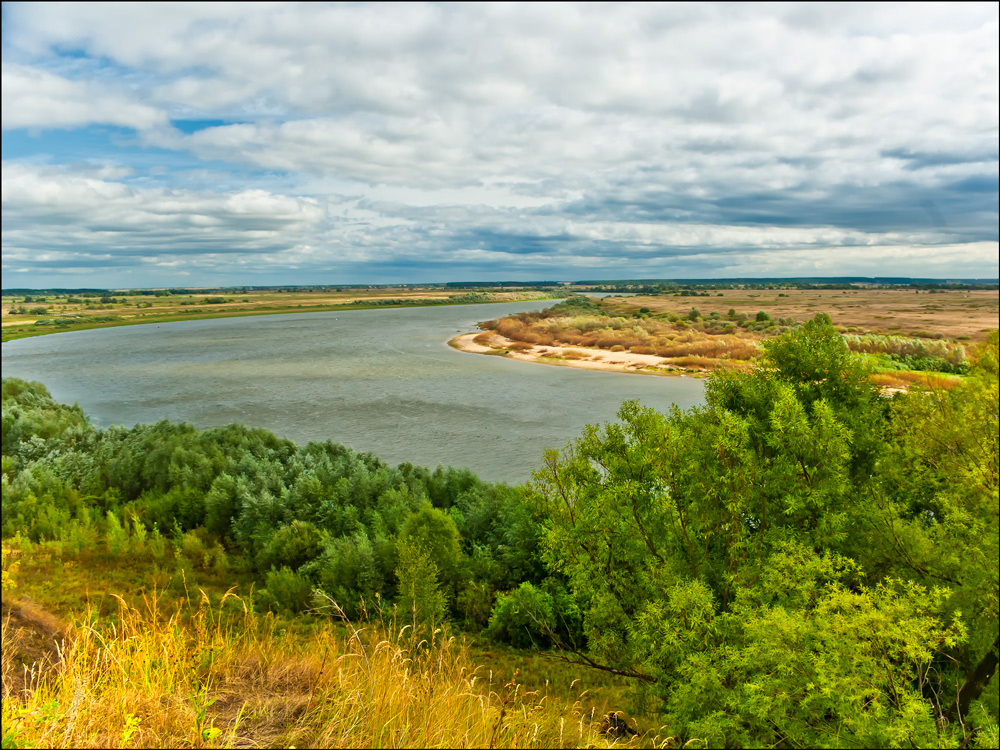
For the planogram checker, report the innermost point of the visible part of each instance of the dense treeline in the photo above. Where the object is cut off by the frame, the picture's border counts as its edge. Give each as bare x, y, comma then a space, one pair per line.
319, 515
802, 561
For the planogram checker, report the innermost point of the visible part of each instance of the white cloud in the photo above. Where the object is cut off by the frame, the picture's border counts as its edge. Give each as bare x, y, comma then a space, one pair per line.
77, 218
647, 130
35, 98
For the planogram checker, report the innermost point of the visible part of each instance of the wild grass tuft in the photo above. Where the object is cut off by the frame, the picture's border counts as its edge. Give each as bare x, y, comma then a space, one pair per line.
223, 676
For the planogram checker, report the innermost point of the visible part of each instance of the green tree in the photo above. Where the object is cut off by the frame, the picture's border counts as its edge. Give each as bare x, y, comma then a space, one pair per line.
800, 562
293, 546
421, 601
933, 516
434, 532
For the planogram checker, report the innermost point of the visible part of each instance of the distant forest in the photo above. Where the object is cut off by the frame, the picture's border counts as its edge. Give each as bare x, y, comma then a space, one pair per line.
836, 282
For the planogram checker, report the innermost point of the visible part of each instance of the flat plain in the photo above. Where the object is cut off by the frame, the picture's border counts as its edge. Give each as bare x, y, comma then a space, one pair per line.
958, 314
695, 331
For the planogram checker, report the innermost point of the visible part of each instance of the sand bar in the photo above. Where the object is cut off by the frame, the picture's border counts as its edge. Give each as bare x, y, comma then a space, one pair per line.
584, 358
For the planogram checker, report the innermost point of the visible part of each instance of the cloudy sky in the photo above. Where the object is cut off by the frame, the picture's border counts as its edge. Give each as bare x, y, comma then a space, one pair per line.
149, 144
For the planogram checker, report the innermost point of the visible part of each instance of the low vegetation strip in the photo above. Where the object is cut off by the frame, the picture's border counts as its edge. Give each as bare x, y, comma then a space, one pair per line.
67, 311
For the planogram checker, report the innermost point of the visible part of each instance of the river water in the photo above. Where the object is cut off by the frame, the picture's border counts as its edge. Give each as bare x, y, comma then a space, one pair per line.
383, 381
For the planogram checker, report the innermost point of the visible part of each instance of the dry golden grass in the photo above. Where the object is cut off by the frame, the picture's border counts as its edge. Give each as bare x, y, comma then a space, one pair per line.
520, 346
721, 330
905, 379
953, 314
224, 677
655, 337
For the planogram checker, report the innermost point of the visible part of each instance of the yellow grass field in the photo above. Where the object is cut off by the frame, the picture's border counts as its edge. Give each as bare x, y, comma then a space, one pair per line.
954, 314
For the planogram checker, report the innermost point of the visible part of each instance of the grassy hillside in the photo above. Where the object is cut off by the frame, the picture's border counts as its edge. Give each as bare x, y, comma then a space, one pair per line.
196, 665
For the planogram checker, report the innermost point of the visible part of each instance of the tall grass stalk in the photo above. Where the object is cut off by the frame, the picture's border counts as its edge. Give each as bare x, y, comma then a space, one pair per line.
224, 677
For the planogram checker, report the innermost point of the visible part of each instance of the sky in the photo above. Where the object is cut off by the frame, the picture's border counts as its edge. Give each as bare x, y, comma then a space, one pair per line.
215, 144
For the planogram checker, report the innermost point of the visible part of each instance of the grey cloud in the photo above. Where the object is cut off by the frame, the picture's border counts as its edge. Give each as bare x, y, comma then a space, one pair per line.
929, 159
530, 133
51, 209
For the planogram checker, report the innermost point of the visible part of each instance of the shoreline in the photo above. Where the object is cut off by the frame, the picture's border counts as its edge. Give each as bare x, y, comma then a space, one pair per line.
580, 357
17, 330
587, 358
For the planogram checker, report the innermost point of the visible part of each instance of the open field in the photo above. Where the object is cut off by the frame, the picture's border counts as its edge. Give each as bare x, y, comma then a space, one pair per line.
53, 313
912, 337
961, 315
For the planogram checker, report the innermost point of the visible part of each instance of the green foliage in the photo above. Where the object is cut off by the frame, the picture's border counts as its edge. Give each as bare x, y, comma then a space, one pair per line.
293, 546
180, 504
117, 535
523, 618
29, 412
193, 547
351, 571
843, 670
802, 562
434, 532
286, 591
536, 616
421, 600
577, 305
222, 504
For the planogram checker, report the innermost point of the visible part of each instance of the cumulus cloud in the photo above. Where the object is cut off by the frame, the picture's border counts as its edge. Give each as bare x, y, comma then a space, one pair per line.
35, 98
55, 218
578, 135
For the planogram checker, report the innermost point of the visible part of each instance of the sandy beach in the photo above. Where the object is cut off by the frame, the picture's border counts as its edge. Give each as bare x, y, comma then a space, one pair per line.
571, 356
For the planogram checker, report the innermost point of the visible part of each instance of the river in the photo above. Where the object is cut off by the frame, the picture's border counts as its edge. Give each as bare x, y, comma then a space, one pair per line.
383, 381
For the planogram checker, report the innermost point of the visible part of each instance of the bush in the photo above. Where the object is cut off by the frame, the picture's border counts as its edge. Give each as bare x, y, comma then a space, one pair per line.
434, 532
183, 505
475, 603
293, 546
286, 590
524, 618
349, 571
117, 535
193, 548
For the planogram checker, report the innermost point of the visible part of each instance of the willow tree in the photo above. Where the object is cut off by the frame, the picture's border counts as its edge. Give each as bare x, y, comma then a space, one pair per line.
800, 562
